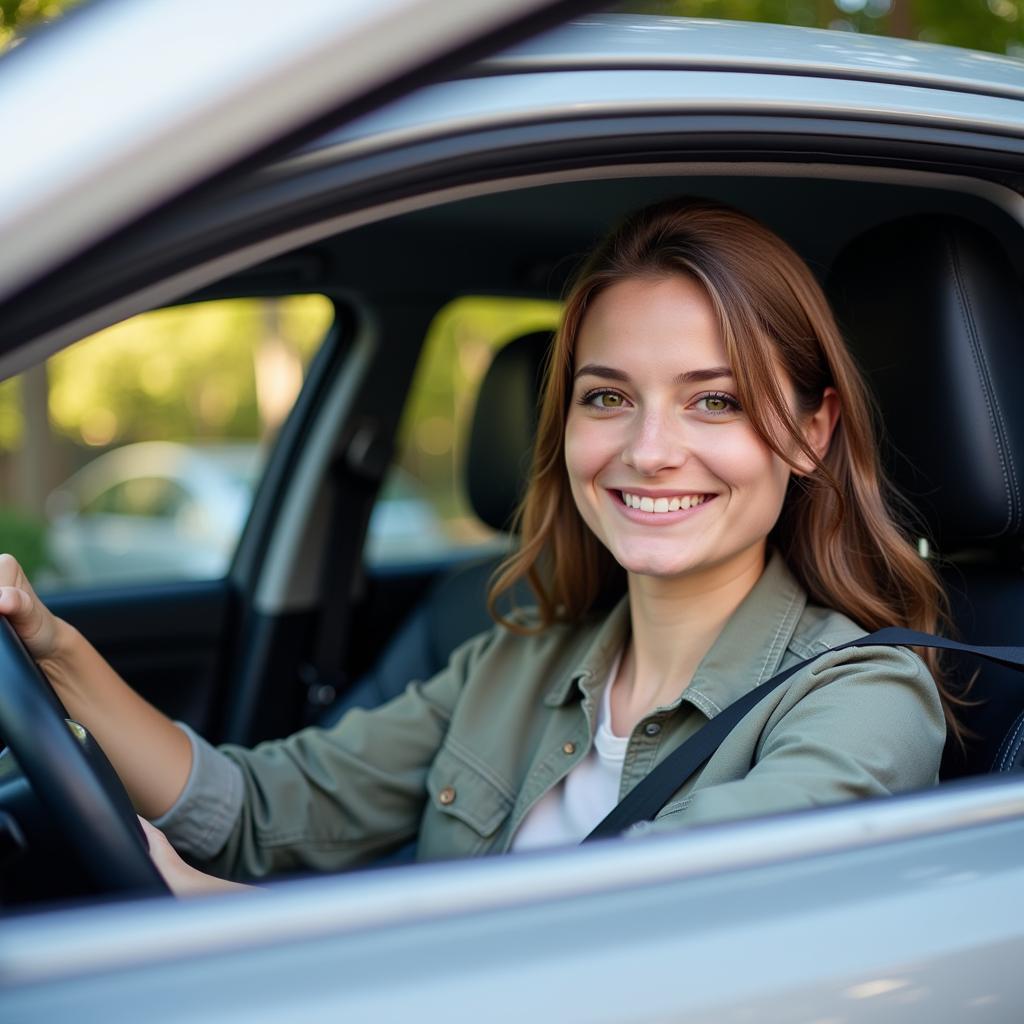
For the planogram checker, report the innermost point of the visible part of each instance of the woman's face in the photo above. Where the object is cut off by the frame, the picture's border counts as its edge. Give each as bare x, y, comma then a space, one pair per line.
664, 466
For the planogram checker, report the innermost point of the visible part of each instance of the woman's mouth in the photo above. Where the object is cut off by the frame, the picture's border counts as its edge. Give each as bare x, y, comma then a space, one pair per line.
663, 503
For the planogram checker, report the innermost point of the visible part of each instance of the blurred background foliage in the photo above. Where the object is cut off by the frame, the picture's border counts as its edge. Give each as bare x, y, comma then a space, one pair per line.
208, 373
995, 25
223, 370
19, 16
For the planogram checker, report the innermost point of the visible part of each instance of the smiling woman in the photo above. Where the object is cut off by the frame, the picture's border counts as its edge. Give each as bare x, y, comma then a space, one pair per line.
660, 448
684, 300
703, 457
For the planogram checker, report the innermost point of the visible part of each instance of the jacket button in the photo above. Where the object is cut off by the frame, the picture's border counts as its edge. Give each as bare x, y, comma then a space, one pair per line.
652, 728
447, 795
569, 747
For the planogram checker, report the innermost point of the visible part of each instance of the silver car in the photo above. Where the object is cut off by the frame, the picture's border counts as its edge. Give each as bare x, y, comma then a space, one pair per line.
167, 511
394, 155
154, 508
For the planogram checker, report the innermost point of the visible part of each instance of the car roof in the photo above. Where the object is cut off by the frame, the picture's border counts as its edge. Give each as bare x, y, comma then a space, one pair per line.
649, 42
510, 112
622, 63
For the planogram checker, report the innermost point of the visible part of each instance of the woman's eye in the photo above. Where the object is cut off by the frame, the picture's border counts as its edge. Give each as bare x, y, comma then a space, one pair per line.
604, 400
717, 404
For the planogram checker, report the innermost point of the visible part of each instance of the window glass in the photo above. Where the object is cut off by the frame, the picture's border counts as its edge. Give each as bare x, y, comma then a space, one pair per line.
151, 497
423, 512
134, 454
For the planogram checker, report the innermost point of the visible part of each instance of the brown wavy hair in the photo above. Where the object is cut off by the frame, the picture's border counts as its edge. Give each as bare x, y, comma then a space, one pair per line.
837, 530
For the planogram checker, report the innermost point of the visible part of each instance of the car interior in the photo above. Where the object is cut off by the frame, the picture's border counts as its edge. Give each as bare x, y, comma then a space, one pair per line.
924, 273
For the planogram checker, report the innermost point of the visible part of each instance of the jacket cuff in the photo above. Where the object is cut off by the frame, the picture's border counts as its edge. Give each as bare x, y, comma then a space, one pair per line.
200, 821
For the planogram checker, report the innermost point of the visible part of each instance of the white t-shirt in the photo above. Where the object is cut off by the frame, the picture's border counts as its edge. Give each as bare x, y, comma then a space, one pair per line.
582, 799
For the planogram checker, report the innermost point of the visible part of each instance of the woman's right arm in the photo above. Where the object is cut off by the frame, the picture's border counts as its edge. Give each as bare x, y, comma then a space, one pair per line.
149, 752
317, 800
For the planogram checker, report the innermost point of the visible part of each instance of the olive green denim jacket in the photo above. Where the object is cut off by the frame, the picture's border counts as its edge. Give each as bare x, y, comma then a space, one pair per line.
459, 760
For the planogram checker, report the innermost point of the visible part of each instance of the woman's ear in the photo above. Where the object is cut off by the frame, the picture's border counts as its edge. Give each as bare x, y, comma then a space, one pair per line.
817, 429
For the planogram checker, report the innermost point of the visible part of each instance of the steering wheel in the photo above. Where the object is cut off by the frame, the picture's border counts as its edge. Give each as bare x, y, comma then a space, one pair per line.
71, 776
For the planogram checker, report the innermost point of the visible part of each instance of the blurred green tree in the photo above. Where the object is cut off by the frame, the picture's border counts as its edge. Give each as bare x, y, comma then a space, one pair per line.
17, 16
993, 25
218, 371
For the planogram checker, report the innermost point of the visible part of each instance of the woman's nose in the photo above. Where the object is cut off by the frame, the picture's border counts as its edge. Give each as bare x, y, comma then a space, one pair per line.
657, 442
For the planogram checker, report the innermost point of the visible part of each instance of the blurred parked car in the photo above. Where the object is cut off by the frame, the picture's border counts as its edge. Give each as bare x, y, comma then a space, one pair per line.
351, 150
404, 527
155, 510
163, 511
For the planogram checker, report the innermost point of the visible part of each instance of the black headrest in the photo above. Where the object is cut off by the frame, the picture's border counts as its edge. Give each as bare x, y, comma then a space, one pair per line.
934, 314
504, 425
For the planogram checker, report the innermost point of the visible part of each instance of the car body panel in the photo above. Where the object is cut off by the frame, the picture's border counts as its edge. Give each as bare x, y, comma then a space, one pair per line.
890, 910
121, 121
597, 42
719, 67
464, 106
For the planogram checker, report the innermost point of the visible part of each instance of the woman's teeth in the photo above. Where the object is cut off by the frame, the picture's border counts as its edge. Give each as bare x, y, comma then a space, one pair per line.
674, 504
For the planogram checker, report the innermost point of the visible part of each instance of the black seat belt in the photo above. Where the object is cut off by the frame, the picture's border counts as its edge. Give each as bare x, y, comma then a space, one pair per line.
354, 480
652, 792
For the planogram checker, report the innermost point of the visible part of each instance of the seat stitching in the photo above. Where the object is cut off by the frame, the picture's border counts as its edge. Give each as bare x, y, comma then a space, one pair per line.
1008, 741
988, 392
1004, 757
1014, 748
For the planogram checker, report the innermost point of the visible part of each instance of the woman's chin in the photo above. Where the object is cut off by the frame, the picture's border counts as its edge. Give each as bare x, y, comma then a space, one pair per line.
675, 565
660, 566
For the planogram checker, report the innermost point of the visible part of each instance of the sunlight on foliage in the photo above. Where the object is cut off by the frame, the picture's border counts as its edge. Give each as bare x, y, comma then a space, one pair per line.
11, 425
17, 16
186, 372
994, 25
218, 372
459, 346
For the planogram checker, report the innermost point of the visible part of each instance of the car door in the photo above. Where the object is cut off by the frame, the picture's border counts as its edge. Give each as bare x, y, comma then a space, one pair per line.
123, 126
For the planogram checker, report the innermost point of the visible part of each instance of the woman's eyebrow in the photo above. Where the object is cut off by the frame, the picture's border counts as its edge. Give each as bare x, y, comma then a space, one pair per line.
711, 373
594, 370
610, 373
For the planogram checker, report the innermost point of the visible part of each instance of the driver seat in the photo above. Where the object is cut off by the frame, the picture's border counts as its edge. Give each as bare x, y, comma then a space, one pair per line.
932, 309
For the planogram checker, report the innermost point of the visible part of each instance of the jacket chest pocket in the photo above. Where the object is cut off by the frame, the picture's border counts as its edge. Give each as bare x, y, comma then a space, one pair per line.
465, 808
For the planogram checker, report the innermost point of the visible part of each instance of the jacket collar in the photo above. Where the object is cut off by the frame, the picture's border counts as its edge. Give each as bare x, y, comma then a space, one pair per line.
752, 643
748, 651
606, 640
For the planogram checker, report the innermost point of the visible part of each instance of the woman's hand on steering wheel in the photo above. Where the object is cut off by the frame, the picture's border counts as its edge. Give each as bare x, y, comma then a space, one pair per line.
181, 878
75, 781
35, 624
